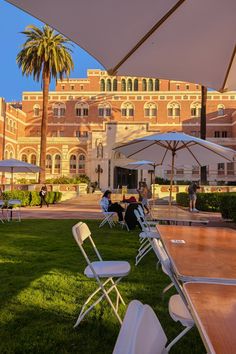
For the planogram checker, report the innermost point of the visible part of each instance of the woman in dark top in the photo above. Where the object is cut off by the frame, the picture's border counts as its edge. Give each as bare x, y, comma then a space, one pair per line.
107, 205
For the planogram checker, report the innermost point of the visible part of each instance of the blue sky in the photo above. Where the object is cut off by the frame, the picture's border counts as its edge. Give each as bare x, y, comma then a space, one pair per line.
12, 83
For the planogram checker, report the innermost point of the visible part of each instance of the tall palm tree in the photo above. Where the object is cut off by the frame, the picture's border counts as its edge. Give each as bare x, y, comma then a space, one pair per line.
45, 55
203, 129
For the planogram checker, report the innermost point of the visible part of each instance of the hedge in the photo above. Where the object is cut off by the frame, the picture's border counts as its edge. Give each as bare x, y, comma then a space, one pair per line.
32, 197
223, 202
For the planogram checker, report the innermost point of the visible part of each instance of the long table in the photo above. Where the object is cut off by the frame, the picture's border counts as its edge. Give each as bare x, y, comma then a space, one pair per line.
175, 215
205, 254
213, 307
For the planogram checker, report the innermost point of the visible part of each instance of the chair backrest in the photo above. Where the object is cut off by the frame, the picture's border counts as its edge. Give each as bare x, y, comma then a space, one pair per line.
162, 256
103, 207
141, 332
81, 232
12, 202
141, 220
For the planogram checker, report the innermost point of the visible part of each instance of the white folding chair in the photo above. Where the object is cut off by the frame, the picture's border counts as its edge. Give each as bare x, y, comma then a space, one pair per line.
141, 332
107, 217
102, 271
146, 235
2, 204
13, 205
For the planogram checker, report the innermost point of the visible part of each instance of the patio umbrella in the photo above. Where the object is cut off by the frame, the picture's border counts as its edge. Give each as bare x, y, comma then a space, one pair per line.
143, 165
176, 149
185, 40
16, 166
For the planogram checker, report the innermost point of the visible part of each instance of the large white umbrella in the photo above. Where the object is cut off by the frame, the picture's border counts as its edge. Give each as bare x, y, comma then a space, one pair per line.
176, 149
187, 40
16, 166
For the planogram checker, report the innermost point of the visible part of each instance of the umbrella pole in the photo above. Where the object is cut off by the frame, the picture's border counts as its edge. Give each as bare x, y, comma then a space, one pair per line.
172, 176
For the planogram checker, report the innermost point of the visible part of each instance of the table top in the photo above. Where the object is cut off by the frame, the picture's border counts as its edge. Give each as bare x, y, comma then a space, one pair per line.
201, 253
175, 214
213, 307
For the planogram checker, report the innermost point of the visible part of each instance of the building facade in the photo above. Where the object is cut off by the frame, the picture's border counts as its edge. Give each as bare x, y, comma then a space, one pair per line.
88, 117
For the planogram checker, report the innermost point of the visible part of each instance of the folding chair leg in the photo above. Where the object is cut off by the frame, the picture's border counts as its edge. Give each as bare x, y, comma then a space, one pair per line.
106, 295
178, 338
143, 252
167, 288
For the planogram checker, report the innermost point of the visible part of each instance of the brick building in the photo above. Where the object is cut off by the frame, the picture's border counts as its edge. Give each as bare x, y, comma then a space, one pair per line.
88, 117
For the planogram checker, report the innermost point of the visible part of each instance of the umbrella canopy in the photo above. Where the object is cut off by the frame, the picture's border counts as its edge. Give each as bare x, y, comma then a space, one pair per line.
141, 165
176, 149
184, 40
17, 166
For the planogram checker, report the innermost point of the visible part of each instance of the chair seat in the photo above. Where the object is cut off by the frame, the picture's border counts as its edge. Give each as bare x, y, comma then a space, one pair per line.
108, 269
179, 311
149, 234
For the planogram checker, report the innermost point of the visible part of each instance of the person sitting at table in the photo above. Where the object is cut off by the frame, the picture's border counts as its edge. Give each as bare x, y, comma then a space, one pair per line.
107, 205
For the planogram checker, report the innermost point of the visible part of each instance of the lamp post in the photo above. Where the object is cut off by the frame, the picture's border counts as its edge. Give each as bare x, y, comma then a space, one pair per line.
98, 170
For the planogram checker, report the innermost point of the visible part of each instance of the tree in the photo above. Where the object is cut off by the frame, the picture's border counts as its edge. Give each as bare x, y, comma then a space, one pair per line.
203, 129
45, 55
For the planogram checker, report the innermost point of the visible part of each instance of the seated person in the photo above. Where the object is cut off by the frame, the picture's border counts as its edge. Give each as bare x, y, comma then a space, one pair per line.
144, 194
107, 205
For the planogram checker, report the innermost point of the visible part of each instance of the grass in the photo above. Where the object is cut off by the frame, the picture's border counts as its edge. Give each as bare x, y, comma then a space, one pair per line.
43, 287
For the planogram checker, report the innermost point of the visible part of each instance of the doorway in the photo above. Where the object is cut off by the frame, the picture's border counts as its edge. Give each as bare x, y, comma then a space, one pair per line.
125, 177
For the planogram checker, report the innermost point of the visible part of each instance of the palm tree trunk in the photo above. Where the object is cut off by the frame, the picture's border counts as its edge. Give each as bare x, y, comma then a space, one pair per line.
203, 129
44, 125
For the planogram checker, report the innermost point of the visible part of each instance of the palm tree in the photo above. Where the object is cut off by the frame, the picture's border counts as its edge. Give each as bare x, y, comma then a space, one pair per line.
203, 129
45, 55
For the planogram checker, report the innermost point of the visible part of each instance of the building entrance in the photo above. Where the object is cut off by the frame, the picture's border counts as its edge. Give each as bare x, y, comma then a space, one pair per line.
125, 177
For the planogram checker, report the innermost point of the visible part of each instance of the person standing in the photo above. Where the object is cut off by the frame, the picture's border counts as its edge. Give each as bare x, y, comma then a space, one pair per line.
43, 194
143, 192
192, 192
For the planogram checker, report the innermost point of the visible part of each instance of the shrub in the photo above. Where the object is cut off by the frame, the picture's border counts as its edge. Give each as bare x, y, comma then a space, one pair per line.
223, 202
69, 180
32, 198
228, 206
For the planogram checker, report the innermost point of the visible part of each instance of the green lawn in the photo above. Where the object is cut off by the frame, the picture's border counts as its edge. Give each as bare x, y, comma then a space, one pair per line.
43, 287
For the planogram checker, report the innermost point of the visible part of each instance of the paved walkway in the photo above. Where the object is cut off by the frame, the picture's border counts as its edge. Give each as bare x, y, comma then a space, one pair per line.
71, 209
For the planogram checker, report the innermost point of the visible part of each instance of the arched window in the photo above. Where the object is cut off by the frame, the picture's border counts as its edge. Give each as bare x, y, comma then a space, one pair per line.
36, 110
157, 85
14, 127
150, 85
195, 109
150, 109
73, 164
123, 85
81, 109
7, 124
24, 158
49, 163
6, 155
173, 109
144, 85
33, 159
11, 155
104, 110
57, 164
127, 109
81, 163
10, 125
102, 85
129, 85
59, 109
108, 84
135, 84
115, 85
220, 110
